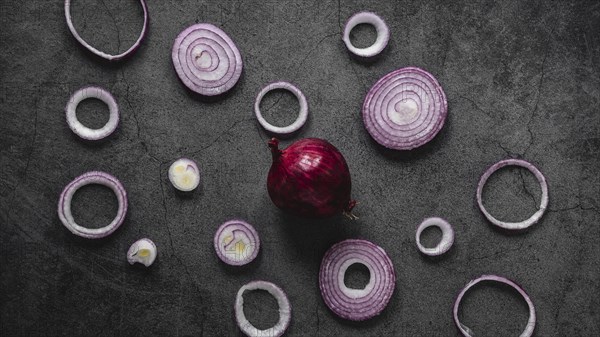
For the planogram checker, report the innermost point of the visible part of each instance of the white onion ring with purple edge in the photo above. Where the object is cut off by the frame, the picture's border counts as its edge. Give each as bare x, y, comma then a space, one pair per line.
543, 203
285, 310
302, 115
92, 177
356, 304
447, 236
405, 109
142, 251
383, 34
236, 242
468, 332
83, 131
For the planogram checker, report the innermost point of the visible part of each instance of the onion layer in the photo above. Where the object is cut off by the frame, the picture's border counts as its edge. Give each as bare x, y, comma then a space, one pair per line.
285, 310
302, 115
543, 203
356, 304
184, 174
93, 177
102, 54
405, 109
468, 332
383, 34
447, 236
206, 59
236, 242
142, 251
82, 130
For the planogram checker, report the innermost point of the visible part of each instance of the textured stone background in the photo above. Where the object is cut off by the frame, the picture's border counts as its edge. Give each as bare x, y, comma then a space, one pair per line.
522, 80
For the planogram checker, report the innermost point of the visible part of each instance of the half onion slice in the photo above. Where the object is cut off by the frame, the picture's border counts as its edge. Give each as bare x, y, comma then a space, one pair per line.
405, 109
285, 310
236, 242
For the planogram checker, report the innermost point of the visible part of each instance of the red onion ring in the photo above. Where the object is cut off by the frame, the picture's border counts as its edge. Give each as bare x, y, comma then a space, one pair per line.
405, 109
236, 242
383, 34
142, 251
93, 177
467, 332
447, 236
102, 54
206, 59
356, 304
302, 115
543, 203
83, 131
285, 310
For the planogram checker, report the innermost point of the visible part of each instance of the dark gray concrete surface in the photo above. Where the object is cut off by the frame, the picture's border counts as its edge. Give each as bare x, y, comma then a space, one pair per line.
522, 80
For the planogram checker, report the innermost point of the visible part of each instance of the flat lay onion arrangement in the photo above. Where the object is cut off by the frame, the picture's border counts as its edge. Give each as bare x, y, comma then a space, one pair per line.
310, 178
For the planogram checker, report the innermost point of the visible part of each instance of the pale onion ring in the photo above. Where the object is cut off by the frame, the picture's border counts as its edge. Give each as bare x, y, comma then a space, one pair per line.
236, 242
302, 114
92, 177
543, 203
467, 332
383, 34
180, 173
285, 310
83, 131
447, 236
102, 54
142, 251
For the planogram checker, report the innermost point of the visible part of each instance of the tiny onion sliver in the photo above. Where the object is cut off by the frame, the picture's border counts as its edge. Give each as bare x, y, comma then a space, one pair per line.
236, 242
383, 33
543, 203
405, 109
285, 310
495, 278
83, 131
142, 251
102, 54
92, 177
184, 174
447, 236
356, 304
302, 114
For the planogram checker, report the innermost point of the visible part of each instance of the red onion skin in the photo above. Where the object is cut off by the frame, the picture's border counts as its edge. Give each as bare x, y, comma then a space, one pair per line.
310, 179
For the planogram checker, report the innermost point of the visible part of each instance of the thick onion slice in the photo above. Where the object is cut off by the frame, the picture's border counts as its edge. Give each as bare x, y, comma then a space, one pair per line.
206, 59
543, 203
184, 175
302, 114
236, 242
383, 34
285, 310
405, 109
468, 332
142, 251
356, 304
447, 236
93, 177
83, 131
102, 54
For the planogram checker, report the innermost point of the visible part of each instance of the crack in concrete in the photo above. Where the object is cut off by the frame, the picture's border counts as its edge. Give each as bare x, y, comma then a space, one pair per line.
116, 26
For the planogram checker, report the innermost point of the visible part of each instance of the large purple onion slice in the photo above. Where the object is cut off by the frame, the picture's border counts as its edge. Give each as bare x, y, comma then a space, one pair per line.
206, 59
356, 304
285, 310
405, 109
236, 242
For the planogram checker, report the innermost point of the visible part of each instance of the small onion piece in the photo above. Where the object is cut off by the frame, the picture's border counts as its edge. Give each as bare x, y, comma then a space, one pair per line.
83, 131
356, 304
383, 34
405, 109
92, 177
236, 242
285, 310
142, 251
102, 54
468, 332
206, 59
184, 174
302, 115
447, 236
543, 203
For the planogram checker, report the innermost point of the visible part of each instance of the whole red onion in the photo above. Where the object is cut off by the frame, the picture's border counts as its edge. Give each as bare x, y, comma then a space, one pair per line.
310, 178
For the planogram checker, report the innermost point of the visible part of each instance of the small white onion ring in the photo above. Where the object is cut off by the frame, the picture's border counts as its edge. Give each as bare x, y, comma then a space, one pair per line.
102, 54
302, 115
467, 332
236, 242
184, 174
285, 310
142, 251
83, 131
540, 178
383, 34
447, 236
92, 177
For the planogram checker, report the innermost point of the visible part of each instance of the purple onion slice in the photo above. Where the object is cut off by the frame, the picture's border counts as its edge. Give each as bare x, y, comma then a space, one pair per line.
184, 174
447, 236
102, 54
468, 332
83, 131
285, 310
383, 34
302, 115
93, 177
206, 59
405, 109
142, 251
543, 203
356, 304
236, 242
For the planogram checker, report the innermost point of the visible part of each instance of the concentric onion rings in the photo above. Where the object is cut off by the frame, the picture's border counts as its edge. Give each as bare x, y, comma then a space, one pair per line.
356, 304
206, 59
302, 115
82, 130
405, 109
92, 177
543, 203
383, 34
447, 236
236, 242
285, 310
